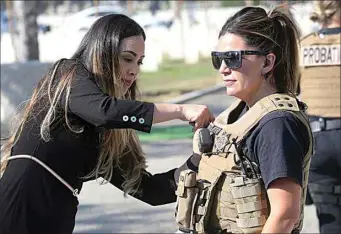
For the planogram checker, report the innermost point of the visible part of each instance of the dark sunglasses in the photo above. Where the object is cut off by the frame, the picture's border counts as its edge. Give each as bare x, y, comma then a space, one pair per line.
232, 59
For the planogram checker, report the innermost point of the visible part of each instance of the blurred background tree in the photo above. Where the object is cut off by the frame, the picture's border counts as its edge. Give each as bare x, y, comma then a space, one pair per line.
22, 16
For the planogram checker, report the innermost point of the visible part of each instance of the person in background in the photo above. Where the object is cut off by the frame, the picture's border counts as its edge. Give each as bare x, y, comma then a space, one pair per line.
154, 7
320, 90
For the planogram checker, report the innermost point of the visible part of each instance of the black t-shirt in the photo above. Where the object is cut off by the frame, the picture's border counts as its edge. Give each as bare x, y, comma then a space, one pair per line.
278, 145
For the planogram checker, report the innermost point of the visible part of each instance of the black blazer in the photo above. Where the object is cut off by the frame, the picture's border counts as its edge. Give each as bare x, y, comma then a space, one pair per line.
90, 103
31, 199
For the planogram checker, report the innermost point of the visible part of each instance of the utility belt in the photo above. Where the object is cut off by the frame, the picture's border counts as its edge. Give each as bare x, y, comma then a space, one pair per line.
322, 124
328, 194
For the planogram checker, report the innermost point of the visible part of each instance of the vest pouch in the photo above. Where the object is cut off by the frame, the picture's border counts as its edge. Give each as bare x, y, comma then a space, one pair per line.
186, 197
202, 206
251, 203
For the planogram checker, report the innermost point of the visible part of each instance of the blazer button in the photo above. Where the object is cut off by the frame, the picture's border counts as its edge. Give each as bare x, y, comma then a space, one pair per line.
125, 118
141, 120
133, 119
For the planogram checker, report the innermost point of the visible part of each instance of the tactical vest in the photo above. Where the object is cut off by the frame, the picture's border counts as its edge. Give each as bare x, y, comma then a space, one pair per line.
227, 194
320, 74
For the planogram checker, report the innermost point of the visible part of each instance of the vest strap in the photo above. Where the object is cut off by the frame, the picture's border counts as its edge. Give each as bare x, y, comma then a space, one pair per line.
242, 126
246, 191
226, 211
251, 222
251, 206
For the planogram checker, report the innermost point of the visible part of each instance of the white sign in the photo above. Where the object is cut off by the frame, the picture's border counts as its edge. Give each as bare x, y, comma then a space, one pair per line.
320, 55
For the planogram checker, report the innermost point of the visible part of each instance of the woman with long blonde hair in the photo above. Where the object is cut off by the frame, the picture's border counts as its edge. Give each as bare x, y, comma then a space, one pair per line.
80, 125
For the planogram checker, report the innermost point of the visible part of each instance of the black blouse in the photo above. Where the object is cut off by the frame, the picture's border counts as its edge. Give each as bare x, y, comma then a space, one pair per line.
32, 200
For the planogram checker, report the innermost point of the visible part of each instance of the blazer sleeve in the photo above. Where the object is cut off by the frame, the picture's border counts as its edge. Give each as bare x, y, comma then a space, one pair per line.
91, 104
157, 189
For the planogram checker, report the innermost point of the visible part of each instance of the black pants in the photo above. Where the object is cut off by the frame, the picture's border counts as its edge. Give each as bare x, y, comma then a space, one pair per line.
325, 180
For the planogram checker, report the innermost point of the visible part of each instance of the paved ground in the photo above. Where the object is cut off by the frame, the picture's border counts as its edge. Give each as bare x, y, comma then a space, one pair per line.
104, 210
216, 102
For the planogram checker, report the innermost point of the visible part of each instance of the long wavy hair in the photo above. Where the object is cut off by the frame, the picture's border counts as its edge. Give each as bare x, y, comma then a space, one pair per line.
98, 52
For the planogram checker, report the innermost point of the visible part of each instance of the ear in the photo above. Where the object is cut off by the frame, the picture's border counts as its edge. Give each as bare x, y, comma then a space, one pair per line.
269, 63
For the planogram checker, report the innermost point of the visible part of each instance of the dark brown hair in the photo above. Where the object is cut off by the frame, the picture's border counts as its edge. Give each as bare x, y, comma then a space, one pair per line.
273, 32
98, 52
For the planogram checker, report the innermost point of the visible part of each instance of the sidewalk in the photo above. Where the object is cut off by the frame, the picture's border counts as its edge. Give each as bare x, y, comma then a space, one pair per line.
194, 97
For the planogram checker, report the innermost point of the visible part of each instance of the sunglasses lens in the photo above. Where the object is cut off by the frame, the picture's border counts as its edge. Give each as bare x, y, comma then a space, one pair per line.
216, 61
230, 63
233, 61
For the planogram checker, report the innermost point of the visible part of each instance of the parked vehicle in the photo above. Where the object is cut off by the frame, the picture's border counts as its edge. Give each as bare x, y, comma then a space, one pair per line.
147, 20
43, 28
82, 20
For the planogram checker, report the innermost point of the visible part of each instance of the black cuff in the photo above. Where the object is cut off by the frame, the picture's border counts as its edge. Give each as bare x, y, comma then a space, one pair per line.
147, 126
193, 162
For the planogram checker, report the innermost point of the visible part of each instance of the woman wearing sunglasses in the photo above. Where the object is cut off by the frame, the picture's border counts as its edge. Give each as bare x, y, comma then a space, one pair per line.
257, 57
320, 89
80, 125
253, 179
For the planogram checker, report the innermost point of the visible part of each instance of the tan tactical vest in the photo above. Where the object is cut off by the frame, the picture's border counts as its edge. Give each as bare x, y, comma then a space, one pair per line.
320, 74
227, 195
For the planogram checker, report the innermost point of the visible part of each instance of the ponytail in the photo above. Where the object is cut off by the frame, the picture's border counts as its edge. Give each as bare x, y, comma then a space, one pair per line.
287, 35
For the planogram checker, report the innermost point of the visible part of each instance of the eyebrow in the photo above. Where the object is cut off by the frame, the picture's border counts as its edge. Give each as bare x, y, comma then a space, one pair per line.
132, 52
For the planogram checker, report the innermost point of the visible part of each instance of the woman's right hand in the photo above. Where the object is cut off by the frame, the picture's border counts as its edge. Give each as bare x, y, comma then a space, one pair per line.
199, 114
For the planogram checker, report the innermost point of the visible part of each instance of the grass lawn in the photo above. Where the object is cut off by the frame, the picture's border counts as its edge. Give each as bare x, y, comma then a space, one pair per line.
174, 77
167, 133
